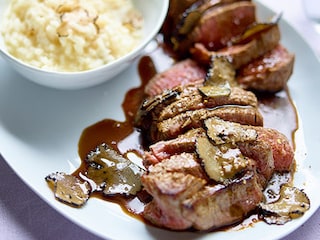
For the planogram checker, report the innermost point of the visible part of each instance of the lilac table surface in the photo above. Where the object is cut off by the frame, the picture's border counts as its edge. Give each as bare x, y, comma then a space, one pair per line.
23, 215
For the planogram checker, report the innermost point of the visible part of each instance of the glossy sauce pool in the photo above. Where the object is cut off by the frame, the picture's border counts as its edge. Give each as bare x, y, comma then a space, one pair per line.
278, 112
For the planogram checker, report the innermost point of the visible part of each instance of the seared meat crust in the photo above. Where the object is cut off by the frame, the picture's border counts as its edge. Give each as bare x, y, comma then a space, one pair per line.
179, 9
241, 54
268, 73
169, 189
174, 112
219, 25
219, 205
172, 127
191, 99
181, 201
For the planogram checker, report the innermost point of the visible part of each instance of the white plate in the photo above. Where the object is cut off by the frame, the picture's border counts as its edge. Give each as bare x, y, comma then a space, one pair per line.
40, 129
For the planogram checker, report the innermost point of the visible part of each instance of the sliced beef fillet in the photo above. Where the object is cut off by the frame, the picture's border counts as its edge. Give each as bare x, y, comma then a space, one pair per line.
247, 139
181, 201
269, 148
261, 153
170, 114
180, 177
168, 190
268, 73
186, 163
174, 184
185, 14
164, 149
282, 151
182, 73
222, 205
182, 99
218, 26
172, 127
193, 100
241, 54
271, 152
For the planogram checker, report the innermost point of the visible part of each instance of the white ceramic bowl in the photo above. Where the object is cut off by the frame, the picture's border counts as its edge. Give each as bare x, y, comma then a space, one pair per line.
154, 13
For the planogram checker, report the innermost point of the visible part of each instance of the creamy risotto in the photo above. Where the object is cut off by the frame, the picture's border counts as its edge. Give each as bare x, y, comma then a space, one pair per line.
71, 35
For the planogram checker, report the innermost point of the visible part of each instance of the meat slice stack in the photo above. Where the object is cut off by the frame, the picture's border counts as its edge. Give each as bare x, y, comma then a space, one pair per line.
213, 23
230, 28
209, 157
183, 108
181, 174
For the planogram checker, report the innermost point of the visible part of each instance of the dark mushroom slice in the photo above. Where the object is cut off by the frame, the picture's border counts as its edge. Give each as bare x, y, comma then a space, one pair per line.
167, 97
220, 77
221, 131
292, 204
220, 72
221, 162
272, 190
215, 91
152, 105
112, 173
69, 189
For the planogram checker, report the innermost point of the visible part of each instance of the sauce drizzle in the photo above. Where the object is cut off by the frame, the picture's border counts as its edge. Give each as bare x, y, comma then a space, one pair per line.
124, 137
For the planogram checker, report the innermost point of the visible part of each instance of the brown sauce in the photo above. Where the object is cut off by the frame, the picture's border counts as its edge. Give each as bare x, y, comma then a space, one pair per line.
277, 109
122, 135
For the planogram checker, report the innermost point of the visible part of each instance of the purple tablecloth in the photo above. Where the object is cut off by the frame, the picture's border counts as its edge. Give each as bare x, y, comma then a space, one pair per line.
23, 215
